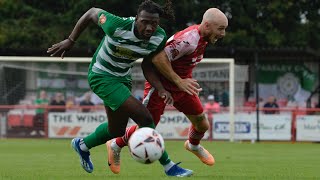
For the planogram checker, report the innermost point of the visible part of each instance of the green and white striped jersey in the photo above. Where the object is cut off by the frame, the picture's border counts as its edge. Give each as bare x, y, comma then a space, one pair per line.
120, 47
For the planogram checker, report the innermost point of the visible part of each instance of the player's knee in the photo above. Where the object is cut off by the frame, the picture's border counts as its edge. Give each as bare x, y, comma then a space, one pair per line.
202, 128
203, 125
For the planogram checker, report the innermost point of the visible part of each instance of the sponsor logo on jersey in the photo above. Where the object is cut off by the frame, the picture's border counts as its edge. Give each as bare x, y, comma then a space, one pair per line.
102, 19
173, 49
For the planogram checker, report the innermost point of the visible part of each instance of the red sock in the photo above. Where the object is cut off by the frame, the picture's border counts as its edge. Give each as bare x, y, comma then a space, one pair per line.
123, 141
195, 136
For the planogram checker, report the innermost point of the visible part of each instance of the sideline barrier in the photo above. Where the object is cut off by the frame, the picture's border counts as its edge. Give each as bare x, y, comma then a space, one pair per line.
288, 124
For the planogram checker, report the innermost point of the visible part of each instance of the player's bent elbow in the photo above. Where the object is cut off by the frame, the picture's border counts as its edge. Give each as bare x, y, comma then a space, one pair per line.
160, 58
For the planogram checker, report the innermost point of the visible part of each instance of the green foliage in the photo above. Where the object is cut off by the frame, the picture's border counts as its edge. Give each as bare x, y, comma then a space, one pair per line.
252, 23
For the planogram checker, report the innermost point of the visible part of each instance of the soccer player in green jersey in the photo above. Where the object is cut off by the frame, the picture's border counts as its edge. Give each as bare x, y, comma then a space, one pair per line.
109, 76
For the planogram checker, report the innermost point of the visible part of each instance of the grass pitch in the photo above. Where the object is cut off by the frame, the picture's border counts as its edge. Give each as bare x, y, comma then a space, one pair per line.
55, 159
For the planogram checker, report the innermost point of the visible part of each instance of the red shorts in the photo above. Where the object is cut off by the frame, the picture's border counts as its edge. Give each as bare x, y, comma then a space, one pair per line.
185, 103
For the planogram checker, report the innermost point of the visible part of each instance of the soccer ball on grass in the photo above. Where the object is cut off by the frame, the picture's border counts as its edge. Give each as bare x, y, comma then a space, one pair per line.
146, 145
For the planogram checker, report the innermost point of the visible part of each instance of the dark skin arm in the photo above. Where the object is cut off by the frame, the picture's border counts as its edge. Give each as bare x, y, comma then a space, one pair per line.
151, 74
163, 64
60, 48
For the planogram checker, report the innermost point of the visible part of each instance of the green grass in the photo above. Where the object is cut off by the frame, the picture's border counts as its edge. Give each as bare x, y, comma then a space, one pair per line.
55, 159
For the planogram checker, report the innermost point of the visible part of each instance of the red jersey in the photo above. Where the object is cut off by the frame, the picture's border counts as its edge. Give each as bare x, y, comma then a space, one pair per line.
184, 49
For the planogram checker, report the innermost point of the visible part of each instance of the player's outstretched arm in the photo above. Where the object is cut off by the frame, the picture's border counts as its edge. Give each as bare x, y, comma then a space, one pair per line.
162, 63
67, 44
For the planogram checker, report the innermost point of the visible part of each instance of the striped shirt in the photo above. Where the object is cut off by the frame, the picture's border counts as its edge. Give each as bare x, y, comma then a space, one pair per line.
120, 47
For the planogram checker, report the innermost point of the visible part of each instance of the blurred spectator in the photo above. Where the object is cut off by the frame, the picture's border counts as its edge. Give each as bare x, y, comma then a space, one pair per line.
271, 103
58, 101
86, 102
225, 98
38, 120
70, 103
212, 106
96, 100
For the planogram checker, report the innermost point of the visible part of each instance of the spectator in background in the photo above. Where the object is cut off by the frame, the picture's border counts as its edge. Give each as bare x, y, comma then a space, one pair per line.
225, 98
95, 99
70, 104
86, 102
271, 103
58, 101
38, 121
212, 106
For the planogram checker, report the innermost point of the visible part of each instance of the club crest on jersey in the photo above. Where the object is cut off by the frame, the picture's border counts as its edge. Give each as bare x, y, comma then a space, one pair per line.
174, 53
102, 19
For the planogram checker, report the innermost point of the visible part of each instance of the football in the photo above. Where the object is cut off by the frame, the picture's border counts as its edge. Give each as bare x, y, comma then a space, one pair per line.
146, 145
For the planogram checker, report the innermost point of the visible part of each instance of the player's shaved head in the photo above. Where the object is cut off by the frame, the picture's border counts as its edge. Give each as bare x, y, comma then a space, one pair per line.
214, 15
213, 25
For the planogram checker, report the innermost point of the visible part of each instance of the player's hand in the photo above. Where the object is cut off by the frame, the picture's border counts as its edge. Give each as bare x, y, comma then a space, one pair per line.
189, 86
166, 95
60, 48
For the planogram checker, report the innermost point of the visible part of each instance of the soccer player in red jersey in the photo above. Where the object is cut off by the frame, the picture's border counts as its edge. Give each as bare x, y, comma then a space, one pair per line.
175, 63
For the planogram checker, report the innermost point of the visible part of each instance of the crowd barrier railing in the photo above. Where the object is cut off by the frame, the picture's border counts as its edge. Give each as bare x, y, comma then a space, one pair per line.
275, 124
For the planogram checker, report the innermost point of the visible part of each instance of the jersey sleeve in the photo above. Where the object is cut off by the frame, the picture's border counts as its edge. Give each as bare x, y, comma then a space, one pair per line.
109, 22
162, 44
179, 47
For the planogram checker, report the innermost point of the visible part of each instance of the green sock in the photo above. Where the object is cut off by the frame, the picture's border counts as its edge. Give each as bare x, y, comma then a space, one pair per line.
164, 158
100, 136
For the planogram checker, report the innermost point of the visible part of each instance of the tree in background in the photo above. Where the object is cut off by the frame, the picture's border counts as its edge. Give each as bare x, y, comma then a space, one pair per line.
252, 23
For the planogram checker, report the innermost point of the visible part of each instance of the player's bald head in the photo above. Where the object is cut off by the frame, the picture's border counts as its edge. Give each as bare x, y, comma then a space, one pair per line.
213, 25
214, 15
